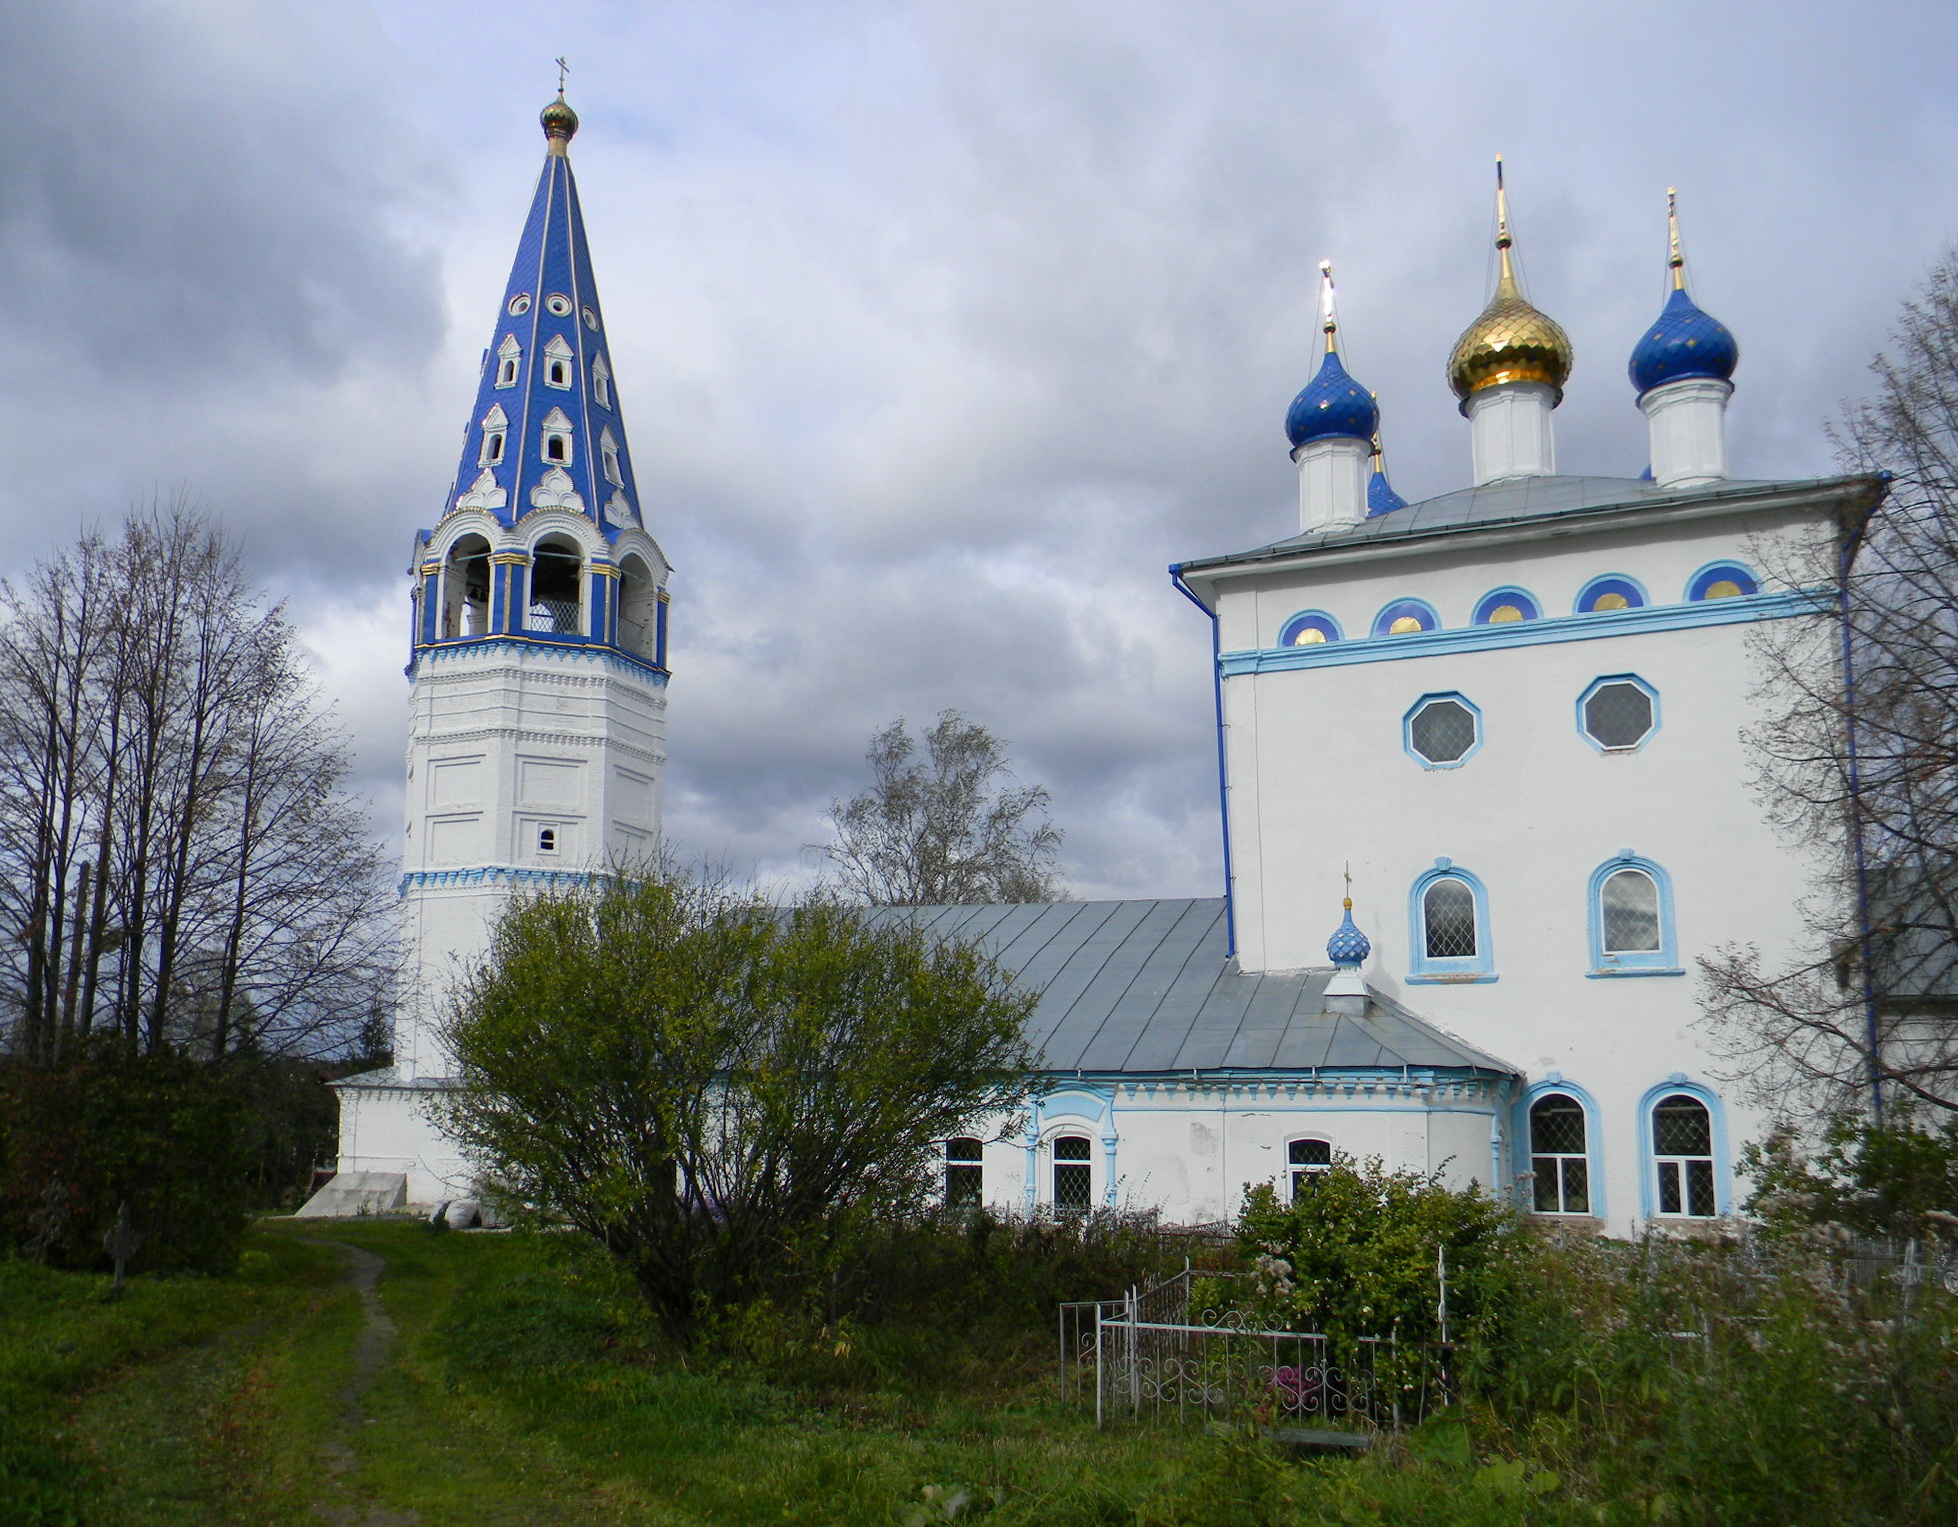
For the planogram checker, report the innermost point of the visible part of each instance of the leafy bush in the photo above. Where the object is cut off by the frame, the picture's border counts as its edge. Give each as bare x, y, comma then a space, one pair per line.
82, 1136
1356, 1255
1896, 1180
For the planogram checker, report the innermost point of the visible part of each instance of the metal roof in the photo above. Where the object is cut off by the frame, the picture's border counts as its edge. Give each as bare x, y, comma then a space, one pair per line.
1147, 987
1525, 500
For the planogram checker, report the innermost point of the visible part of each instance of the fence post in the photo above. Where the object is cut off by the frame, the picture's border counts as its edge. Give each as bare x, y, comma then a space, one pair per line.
1441, 1277
1098, 1366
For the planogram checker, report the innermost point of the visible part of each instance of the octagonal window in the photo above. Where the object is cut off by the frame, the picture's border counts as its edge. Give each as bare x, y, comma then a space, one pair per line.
1442, 730
1618, 714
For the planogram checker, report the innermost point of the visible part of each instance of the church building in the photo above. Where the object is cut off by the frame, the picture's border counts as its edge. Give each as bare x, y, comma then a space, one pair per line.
1504, 726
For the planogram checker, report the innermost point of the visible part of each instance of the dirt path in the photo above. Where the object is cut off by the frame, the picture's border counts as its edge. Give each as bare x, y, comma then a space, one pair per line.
371, 1351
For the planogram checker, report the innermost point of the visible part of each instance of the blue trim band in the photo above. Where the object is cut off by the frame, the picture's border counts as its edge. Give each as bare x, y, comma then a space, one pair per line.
1533, 633
490, 874
638, 667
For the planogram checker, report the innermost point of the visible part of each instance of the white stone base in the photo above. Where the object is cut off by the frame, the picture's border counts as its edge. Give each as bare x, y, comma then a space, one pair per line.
353, 1193
385, 1127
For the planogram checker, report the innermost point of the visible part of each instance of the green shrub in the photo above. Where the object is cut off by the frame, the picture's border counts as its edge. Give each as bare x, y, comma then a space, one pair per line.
1899, 1180
1356, 1255
100, 1128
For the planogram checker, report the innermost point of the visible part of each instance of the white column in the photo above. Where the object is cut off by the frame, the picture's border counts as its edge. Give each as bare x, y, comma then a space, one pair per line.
1509, 431
1688, 421
1333, 476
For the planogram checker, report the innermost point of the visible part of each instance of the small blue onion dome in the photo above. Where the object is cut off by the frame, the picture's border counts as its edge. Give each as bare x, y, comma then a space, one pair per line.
1348, 946
1685, 342
1332, 406
1381, 497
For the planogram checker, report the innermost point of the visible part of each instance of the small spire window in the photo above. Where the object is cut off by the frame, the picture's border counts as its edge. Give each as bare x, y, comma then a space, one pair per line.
608, 454
555, 445
601, 382
496, 426
508, 354
557, 363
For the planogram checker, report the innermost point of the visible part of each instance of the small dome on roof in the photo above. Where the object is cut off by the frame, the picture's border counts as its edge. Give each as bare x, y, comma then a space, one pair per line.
1348, 947
1511, 339
1686, 342
559, 120
1332, 405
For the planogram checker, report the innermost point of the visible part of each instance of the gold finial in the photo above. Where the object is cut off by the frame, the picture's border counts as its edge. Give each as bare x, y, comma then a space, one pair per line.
1675, 259
1511, 341
559, 120
1329, 319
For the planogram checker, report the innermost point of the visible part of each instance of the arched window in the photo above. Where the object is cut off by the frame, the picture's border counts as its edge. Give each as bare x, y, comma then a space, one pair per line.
1613, 592
1501, 607
1307, 1161
496, 425
601, 382
1073, 1177
1309, 628
1631, 919
1560, 1157
1682, 1157
608, 456
557, 589
1404, 617
556, 433
507, 355
1448, 916
465, 589
638, 609
965, 1186
1722, 580
557, 363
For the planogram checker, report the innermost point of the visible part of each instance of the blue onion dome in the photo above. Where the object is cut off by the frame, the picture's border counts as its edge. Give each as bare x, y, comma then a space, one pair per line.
1381, 497
1332, 406
1686, 341
1348, 946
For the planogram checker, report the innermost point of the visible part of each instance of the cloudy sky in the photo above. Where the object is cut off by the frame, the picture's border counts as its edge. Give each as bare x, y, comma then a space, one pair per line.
941, 329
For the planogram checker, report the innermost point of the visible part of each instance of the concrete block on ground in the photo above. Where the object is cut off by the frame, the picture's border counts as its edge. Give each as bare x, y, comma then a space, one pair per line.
352, 1193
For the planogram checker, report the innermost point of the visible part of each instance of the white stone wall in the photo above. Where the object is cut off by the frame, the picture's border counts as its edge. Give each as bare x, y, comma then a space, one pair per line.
1320, 779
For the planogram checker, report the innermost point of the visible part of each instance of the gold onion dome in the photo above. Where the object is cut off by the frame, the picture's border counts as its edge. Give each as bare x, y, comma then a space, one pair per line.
560, 121
1511, 341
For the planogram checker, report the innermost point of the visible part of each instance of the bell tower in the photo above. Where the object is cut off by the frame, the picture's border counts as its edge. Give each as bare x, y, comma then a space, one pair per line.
537, 671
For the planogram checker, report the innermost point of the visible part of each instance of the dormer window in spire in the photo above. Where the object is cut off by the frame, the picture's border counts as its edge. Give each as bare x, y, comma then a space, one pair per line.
601, 382
496, 427
555, 446
507, 355
557, 363
608, 453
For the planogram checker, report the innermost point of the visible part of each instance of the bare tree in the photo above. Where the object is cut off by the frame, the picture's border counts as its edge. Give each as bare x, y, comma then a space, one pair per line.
179, 862
945, 828
1860, 760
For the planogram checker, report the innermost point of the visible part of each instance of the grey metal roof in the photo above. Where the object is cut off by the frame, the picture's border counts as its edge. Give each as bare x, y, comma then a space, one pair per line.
1132, 987
1524, 500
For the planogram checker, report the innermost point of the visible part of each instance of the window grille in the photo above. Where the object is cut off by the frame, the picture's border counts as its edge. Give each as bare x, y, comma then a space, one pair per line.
1558, 1160
1682, 1150
1073, 1184
964, 1174
1618, 715
1309, 1160
1448, 920
1442, 731
1628, 904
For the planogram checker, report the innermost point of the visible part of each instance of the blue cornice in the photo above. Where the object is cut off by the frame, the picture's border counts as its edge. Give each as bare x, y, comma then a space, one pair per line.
569, 645
493, 874
1532, 633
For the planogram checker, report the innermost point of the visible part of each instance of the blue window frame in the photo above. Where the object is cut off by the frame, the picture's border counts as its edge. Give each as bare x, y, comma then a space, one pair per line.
1722, 580
1618, 713
1442, 731
1682, 1151
1501, 606
1614, 591
1308, 628
1448, 927
1557, 1123
1404, 617
1630, 916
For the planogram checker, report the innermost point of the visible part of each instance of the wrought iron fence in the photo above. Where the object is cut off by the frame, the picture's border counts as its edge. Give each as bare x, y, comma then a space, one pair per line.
1143, 1356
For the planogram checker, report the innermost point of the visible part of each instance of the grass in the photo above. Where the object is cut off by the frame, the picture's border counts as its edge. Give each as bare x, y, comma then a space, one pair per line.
520, 1388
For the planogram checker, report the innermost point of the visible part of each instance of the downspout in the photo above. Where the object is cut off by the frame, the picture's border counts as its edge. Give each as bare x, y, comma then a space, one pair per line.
1873, 1057
1223, 776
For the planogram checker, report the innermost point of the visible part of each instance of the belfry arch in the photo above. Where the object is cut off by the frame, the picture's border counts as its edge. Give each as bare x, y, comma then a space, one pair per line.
465, 589
638, 608
556, 602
